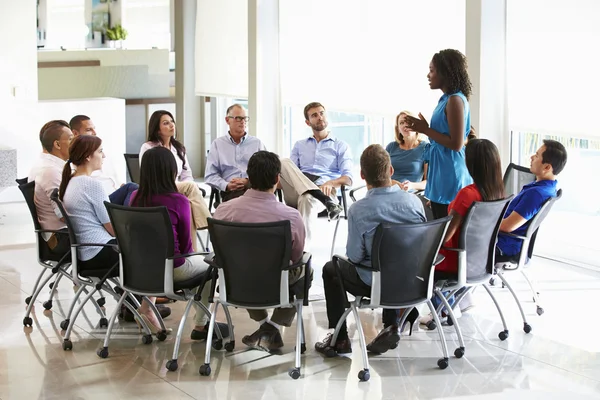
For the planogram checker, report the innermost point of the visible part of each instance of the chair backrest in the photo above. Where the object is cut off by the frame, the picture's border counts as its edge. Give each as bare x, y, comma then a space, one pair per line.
145, 239
252, 259
534, 225
132, 160
478, 236
515, 177
61, 207
21, 181
404, 255
44, 253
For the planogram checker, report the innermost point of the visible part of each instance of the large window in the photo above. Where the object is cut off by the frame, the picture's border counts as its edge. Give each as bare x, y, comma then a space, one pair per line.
570, 232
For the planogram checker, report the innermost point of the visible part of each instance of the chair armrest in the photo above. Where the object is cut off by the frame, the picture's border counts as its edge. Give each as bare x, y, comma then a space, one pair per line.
210, 260
355, 190
188, 255
306, 257
51, 231
438, 259
202, 191
346, 259
454, 249
116, 247
512, 235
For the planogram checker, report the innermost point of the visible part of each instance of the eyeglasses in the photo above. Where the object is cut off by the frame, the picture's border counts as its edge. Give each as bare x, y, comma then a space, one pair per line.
240, 119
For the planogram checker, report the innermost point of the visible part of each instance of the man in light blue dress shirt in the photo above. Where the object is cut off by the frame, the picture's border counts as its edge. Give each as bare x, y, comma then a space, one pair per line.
384, 202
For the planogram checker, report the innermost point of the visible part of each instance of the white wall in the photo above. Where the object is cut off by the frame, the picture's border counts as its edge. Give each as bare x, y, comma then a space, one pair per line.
18, 75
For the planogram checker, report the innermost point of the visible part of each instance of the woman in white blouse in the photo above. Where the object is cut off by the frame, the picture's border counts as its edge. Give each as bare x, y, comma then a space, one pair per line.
161, 132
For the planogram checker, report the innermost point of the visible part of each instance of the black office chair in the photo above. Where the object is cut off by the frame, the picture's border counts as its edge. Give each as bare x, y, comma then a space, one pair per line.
95, 280
132, 160
58, 265
402, 262
146, 245
515, 177
520, 260
21, 181
255, 275
476, 257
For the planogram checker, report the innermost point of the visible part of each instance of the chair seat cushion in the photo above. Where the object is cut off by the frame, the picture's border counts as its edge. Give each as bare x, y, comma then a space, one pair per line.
189, 283
98, 273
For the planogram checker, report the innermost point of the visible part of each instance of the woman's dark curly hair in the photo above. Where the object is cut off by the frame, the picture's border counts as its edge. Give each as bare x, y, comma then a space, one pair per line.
452, 66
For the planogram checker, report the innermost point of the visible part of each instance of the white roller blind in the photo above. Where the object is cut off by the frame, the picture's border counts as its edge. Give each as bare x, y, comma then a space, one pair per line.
222, 48
552, 56
368, 56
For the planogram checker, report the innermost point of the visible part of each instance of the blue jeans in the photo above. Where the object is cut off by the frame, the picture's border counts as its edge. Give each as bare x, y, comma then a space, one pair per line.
122, 195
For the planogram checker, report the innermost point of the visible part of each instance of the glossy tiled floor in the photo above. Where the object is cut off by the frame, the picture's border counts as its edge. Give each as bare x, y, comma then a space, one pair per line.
558, 359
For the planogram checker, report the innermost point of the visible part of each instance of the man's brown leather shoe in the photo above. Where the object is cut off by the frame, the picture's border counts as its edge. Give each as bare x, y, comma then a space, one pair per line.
341, 346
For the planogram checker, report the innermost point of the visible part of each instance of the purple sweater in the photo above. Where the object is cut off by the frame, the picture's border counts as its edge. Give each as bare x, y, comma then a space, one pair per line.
181, 218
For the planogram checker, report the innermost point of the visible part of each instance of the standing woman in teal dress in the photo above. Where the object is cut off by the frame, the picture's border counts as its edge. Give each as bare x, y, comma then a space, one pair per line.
450, 126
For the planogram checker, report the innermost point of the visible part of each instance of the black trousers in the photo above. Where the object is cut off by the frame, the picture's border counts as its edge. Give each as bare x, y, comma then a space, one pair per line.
59, 244
232, 194
335, 297
439, 210
101, 263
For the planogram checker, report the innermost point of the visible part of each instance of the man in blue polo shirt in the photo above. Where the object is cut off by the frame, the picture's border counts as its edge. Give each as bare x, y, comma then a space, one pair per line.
546, 163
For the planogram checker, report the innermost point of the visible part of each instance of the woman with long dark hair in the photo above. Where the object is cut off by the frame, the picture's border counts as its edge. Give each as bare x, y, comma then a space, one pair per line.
161, 133
158, 188
450, 126
482, 160
83, 198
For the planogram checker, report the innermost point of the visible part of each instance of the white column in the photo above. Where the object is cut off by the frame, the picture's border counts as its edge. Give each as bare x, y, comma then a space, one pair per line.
264, 90
189, 107
486, 52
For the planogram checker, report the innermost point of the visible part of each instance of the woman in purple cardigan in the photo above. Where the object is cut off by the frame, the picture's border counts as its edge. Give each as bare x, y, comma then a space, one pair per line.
157, 188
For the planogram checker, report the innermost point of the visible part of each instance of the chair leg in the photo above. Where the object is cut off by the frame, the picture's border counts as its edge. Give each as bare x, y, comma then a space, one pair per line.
230, 325
205, 368
442, 362
188, 306
55, 287
27, 321
460, 351
37, 283
526, 326
337, 224
67, 345
534, 292
503, 334
295, 373
339, 326
103, 352
363, 375
202, 246
157, 313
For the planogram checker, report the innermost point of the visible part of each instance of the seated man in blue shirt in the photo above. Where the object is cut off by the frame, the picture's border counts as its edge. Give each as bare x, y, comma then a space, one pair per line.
384, 202
546, 163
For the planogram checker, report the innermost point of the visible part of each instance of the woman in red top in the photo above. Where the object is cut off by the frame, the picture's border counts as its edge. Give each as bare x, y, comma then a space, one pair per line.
483, 162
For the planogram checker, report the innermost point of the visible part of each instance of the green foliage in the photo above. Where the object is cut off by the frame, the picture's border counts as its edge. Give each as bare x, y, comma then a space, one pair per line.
117, 32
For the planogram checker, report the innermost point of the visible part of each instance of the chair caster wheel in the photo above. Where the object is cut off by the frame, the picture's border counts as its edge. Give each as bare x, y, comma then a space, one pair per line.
172, 365
205, 370
27, 300
161, 336
147, 339
103, 323
67, 345
101, 302
229, 346
449, 321
51, 285
492, 282
442, 363
526, 327
294, 373
330, 352
64, 324
217, 344
103, 352
503, 335
459, 352
47, 304
431, 325
27, 321
539, 310
364, 375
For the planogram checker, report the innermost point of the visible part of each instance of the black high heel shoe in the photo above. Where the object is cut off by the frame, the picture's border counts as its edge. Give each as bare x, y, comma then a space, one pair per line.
410, 319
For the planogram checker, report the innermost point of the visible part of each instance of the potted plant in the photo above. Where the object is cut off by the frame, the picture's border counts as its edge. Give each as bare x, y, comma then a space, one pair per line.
115, 36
